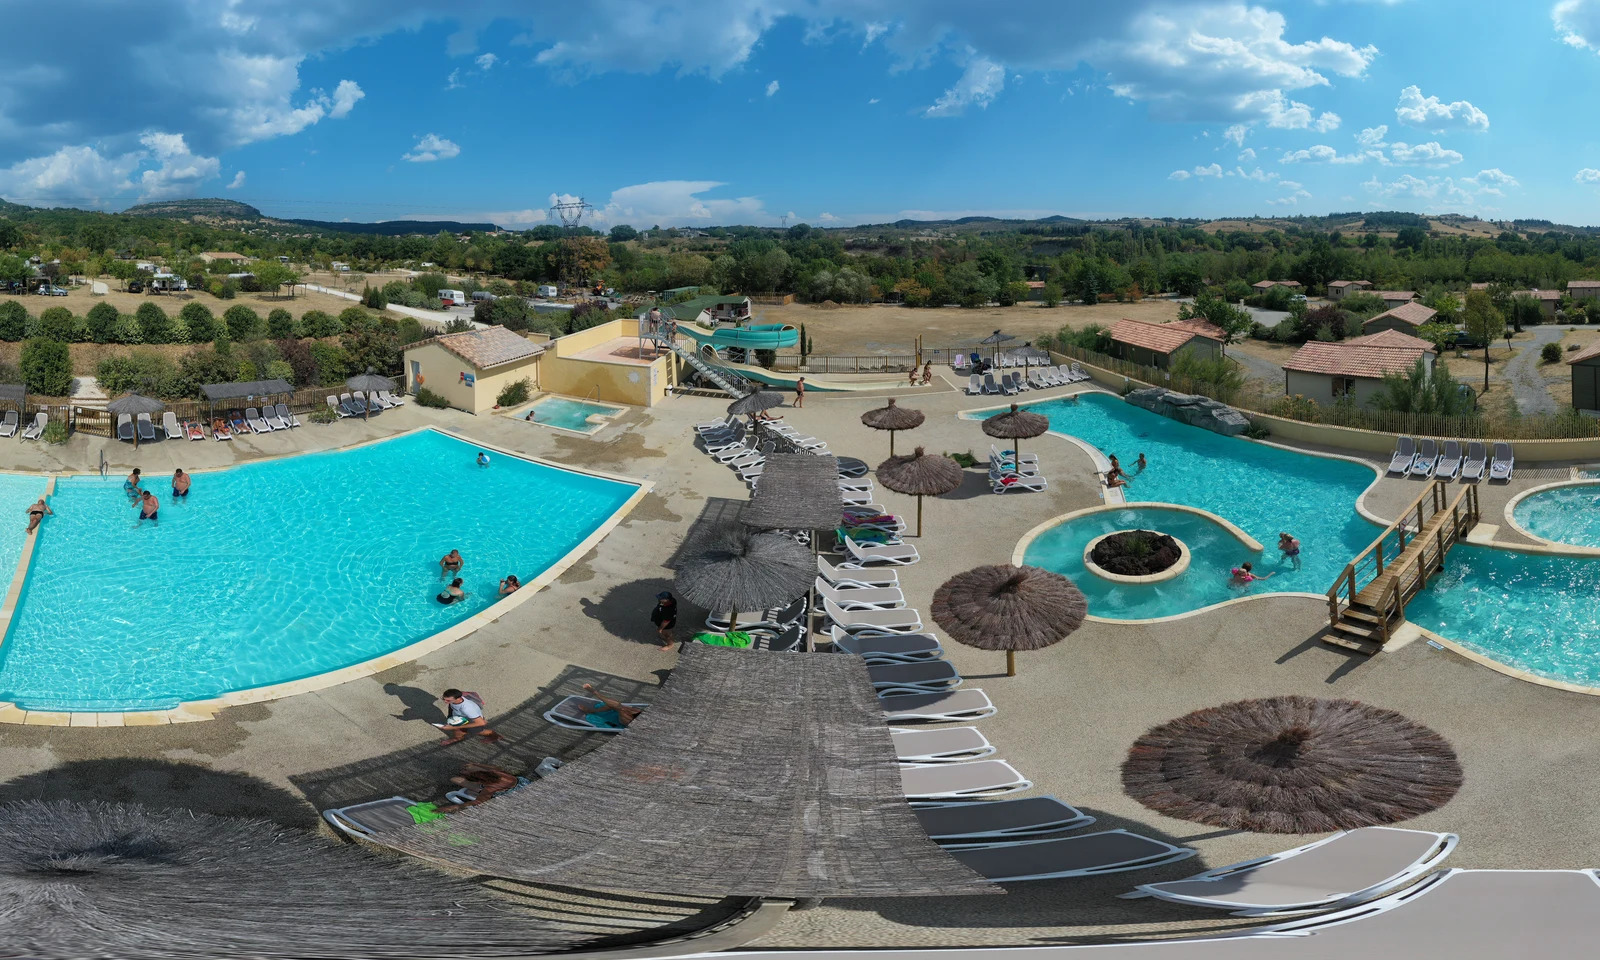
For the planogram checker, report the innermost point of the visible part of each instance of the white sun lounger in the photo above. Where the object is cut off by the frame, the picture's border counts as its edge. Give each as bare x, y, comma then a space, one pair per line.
8, 426
888, 648
964, 821
1504, 462
169, 424
365, 820
573, 714
943, 745
1405, 453
861, 598
271, 416
875, 621
916, 676
955, 781
1342, 870
287, 416
899, 554
1083, 856
1427, 458
392, 400
1449, 462
257, 422
841, 574
147, 428
1475, 463
963, 704
35, 430
1010, 481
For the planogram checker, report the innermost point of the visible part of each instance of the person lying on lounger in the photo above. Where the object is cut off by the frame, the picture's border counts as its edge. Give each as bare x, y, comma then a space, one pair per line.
489, 781
609, 713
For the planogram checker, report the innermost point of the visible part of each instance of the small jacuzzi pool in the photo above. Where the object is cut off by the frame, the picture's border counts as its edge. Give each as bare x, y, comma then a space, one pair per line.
1569, 514
564, 413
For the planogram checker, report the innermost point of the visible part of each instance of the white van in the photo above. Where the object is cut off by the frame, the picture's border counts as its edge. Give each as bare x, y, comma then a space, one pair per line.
452, 298
548, 292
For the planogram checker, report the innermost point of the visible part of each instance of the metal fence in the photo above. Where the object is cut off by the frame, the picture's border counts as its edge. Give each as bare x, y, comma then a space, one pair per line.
873, 363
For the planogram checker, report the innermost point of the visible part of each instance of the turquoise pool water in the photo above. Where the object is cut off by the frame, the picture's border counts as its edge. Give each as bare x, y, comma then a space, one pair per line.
280, 570
1564, 515
17, 493
570, 414
1261, 489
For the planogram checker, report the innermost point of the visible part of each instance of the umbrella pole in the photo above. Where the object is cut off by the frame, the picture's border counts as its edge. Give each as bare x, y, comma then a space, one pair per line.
1011, 663
919, 516
891, 443
811, 594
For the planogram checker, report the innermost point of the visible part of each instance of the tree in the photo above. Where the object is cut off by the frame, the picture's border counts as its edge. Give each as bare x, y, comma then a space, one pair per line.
281, 325
102, 322
1234, 321
585, 256
1441, 335
1446, 304
1483, 323
199, 321
47, 367
373, 298
13, 321
272, 275
1220, 377
374, 343
1525, 312
123, 270
14, 270
242, 322
1411, 237
622, 233
320, 323
154, 325
1423, 391
57, 324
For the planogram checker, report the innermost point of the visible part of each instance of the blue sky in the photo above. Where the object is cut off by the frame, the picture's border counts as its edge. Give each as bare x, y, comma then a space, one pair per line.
824, 111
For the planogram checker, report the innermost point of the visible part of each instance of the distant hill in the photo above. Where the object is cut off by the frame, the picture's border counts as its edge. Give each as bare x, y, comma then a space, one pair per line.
399, 228
186, 209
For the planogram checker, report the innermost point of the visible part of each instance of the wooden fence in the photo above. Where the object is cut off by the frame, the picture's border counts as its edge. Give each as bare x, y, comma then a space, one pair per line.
99, 423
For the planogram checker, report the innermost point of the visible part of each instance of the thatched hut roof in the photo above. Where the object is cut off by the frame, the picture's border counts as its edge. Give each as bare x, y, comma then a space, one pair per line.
996, 337
755, 403
134, 404
798, 491
1016, 424
738, 570
919, 475
893, 417
1292, 765
1003, 607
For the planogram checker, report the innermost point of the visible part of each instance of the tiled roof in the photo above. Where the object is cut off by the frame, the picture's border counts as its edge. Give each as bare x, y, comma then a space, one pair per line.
1479, 286
1587, 353
1267, 284
488, 347
1346, 360
1538, 294
1413, 313
1396, 294
1159, 337
1349, 283
1583, 284
1390, 338
1203, 327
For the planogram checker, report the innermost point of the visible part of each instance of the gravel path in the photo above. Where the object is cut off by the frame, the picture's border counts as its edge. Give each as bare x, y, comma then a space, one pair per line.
1521, 372
1258, 368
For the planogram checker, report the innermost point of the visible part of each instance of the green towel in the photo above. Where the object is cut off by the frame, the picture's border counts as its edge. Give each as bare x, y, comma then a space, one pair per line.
424, 813
863, 535
732, 638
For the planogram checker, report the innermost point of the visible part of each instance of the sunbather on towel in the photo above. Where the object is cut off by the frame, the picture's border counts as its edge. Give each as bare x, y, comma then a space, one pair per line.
489, 781
219, 427
609, 713
36, 514
180, 483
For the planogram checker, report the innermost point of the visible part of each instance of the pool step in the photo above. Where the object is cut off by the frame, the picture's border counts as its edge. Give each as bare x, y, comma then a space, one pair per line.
1358, 628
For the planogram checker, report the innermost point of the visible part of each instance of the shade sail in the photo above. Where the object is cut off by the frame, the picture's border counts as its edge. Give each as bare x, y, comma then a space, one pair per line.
752, 774
239, 391
797, 491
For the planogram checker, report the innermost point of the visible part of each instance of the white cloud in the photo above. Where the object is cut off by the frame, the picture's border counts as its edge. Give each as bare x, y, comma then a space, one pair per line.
672, 203
1215, 170
1321, 153
486, 61
1587, 175
1407, 185
772, 88
1290, 200
345, 96
164, 168
453, 82
1246, 154
1258, 174
1429, 154
1178, 175
1372, 136
980, 83
826, 217
1419, 111
1491, 181
432, 147
1326, 123
1578, 22
872, 101
1236, 134
1448, 193
236, 182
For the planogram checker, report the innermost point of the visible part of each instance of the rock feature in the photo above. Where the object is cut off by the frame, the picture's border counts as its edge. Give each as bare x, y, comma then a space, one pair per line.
1136, 553
1202, 412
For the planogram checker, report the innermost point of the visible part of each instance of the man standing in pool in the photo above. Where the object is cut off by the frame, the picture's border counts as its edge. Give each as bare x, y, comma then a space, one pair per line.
148, 505
450, 564
180, 484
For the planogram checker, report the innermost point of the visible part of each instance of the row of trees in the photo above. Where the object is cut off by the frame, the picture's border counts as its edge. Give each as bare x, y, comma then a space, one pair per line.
195, 323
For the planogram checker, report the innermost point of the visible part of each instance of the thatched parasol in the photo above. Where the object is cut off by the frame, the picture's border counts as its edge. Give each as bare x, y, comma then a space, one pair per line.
993, 341
1292, 765
366, 383
754, 403
112, 880
892, 418
736, 570
920, 475
1009, 608
1016, 425
134, 404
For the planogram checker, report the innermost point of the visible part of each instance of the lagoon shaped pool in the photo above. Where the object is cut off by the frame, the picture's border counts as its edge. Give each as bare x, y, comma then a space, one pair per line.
276, 571
1562, 515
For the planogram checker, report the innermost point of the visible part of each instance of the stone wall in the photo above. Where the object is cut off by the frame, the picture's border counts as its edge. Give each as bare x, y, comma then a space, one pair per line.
1202, 412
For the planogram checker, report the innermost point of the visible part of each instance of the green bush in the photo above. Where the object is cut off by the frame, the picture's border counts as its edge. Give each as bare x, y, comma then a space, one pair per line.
428, 398
354, 318
373, 298
13, 321
47, 367
143, 370
243, 323
281, 325
102, 322
128, 329
333, 364
324, 415
965, 459
1257, 432
154, 324
319, 323
57, 324
200, 322
55, 432
514, 393
1550, 353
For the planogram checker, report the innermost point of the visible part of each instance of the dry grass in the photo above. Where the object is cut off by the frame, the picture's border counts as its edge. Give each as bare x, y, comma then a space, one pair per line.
79, 300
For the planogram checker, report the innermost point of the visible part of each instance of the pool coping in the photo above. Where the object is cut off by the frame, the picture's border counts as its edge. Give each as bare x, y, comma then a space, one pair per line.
189, 711
1498, 666
1511, 519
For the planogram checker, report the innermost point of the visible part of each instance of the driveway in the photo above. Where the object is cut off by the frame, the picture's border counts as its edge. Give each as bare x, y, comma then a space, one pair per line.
1521, 372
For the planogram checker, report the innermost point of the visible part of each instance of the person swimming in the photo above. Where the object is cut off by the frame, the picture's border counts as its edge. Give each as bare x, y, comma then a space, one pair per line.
130, 486
483, 459
510, 584
452, 593
1290, 548
1141, 463
1243, 575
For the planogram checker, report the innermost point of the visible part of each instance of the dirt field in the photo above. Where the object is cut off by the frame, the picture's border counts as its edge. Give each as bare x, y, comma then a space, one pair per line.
86, 356
881, 329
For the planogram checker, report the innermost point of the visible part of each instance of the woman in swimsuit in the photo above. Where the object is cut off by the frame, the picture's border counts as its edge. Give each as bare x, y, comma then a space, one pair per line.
509, 584
610, 713
130, 486
452, 593
1290, 548
1242, 575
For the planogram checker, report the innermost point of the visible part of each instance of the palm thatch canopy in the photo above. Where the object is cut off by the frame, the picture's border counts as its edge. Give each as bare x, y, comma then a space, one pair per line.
798, 491
920, 475
892, 418
751, 774
1292, 765
996, 337
134, 404
737, 570
112, 880
755, 403
369, 381
1015, 424
1002, 607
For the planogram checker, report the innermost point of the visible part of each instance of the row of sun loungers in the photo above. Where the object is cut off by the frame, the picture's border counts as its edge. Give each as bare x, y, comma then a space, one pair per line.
363, 405
33, 431
1009, 475
1013, 383
1018, 358
1430, 462
252, 420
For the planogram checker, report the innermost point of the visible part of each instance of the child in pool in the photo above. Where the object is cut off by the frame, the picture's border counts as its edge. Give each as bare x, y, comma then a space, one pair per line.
1243, 576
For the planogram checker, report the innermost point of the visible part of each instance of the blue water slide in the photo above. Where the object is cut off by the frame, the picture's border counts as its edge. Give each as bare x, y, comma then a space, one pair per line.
760, 336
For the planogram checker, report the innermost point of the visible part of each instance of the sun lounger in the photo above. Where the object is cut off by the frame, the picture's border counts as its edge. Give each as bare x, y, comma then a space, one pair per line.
1449, 464
358, 404
717, 426
169, 426
1504, 462
861, 598
993, 820
147, 429
1475, 463
989, 386
1347, 868
844, 573
918, 676
1427, 458
392, 399
374, 405
958, 363
193, 430
239, 424
347, 405
974, 385
962, 704
956, 781
944, 745
573, 713
35, 430
875, 621
1405, 453
286, 416
8, 426
271, 416
1011, 482
888, 648
365, 820
1083, 856
1008, 386
333, 404
899, 554
124, 427
257, 422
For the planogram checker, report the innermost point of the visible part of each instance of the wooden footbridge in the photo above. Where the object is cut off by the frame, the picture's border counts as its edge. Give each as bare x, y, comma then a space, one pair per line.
1367, 603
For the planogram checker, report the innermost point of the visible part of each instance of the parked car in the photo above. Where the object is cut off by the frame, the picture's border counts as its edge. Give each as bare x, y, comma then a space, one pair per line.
1464, 341
135, 286
49, 290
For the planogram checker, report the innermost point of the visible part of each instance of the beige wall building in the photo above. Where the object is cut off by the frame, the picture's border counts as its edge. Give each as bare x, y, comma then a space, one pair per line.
1326, 372
1339, 289
470, 368
1405, 318
1584, 288
1157, 344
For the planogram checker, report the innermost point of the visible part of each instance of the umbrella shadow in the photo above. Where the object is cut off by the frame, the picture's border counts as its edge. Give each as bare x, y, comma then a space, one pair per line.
974, 483
624, 610
163, 784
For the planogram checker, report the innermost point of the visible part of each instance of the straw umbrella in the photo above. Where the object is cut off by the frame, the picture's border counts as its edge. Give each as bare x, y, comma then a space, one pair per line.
113, 880
1009, 608
367, 383
892, 418
737, 570
134, 404
1292, 765
920, 475
1017, 425
993, 341
756, 402
798, 491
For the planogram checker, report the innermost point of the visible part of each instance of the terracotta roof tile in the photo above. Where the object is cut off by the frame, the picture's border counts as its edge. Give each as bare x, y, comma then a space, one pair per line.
1268, 284
488, 347
1204, 328
1583, 284
1390, 338
1413, 313
1160, 337
1396, 294
1538, 294
1587, 353
1349, 283
1345, 360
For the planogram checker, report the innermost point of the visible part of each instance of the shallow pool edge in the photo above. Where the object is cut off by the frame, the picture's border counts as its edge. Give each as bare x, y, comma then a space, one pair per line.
1511, 520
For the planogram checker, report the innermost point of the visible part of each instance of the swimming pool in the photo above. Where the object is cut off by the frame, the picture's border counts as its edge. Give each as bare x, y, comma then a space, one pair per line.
1563, 515
17, 493
280, 570
567, 414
